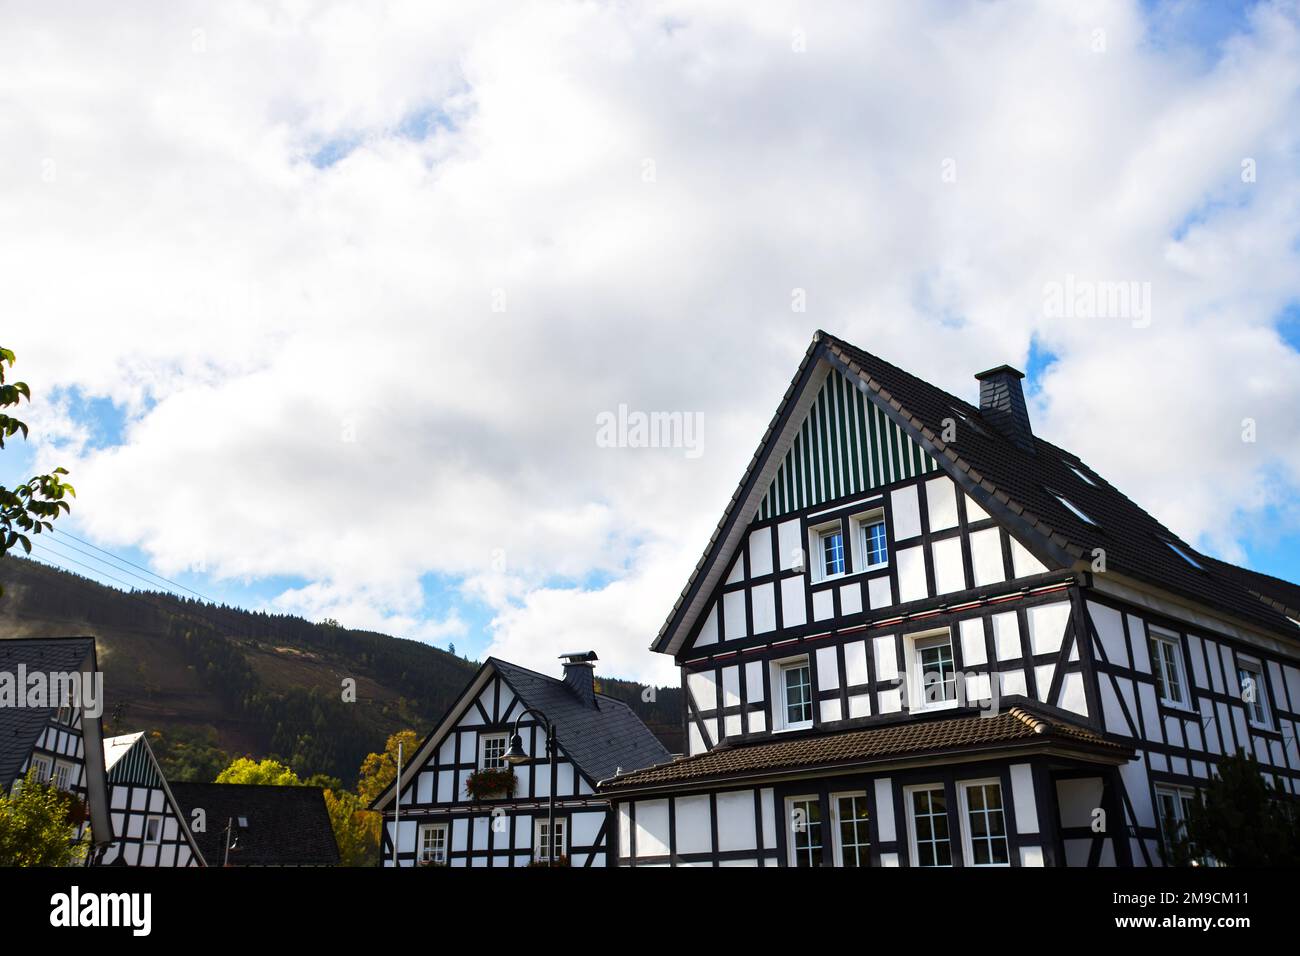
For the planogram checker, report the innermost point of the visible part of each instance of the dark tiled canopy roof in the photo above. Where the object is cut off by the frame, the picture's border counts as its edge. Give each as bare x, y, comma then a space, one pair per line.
907, 739
20, 726
600, 739
1021, 486
287, 826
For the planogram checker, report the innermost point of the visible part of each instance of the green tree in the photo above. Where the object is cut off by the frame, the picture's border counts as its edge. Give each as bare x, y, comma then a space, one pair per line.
189, 754
36, 825
380, 769
266, 772
356, 829
31, 507
1239, 820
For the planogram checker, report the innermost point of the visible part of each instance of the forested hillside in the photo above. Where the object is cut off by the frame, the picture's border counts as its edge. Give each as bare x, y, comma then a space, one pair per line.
217, 681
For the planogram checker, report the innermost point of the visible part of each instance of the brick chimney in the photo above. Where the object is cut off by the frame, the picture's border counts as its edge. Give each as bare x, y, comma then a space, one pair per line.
579, 671
1002, 404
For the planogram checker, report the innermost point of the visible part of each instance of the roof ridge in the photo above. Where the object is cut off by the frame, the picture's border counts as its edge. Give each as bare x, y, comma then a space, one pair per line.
52, 637
521, 667
1018, 493
1066, 541
956, 458
1038, 439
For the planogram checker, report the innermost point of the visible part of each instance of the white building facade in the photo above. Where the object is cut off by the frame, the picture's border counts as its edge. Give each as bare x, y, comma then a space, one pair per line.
922, 636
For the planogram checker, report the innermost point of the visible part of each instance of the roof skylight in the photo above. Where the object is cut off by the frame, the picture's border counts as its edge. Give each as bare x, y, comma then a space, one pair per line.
1074, 509
1185, 556
1080, 472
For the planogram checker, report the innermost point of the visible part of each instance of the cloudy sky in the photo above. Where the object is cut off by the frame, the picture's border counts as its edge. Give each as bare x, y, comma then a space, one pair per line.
320, 303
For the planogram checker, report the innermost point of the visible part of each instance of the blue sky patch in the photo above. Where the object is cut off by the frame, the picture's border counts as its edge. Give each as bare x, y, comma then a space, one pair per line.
1201, 27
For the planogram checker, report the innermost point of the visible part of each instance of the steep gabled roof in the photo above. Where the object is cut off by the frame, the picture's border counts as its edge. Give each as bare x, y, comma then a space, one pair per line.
1018, 486
21, 726
1016, 729
599, 739
287, 826
117, 748
128, 759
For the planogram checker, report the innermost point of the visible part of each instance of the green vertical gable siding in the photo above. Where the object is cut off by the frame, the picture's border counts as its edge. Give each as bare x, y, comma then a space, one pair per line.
135, 767
846, 445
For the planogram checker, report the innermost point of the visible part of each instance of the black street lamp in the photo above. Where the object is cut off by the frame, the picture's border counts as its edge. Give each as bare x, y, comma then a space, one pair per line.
233, 825
515, 755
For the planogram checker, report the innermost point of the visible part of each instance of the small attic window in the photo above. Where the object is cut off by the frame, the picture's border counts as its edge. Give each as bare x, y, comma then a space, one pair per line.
1082, 475
1074, 509
1185, 556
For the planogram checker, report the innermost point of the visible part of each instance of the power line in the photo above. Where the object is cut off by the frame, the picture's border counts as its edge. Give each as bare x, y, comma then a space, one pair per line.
50, 544
197, 614
201, 612
68, 534
44, 550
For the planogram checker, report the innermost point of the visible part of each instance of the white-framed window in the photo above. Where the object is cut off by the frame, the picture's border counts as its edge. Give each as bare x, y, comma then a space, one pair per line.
931, 671
541, 826
1254, 691
1173, 805
985, 832
804, 830
43, 767
829, 557
871, 541
1167, 666
153, 829
433, 843
63, 775
852, 829
927, 825
492, 751
794, 696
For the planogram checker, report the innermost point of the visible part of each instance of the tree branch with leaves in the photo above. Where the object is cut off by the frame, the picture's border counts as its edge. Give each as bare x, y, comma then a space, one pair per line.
32, 507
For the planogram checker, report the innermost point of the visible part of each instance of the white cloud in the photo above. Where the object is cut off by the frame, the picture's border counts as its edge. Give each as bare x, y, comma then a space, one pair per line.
317, 384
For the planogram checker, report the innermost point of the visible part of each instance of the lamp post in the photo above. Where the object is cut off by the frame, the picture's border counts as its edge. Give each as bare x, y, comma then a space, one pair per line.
232, 837
515, 755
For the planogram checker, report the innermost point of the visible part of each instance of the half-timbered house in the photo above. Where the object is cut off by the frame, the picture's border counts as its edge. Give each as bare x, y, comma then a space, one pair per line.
443, 819
149, 827
47, 695
923, 636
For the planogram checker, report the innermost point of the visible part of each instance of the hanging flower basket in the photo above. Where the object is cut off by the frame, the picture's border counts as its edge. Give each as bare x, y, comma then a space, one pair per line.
490, 784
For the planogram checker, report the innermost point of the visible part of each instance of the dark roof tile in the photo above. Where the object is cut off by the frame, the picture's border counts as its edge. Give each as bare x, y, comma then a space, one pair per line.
287, 826
600, 739
20, 726
1019, 480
